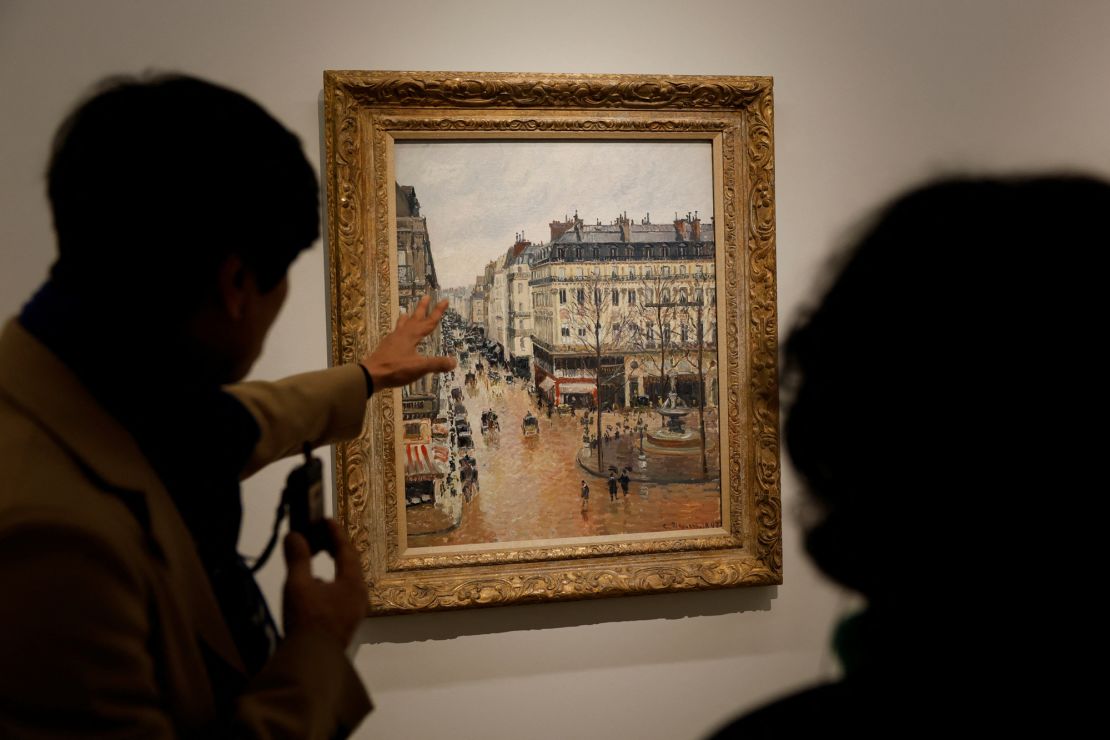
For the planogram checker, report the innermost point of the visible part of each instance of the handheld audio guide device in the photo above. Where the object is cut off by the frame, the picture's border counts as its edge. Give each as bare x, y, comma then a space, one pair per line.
304, 495
303, 501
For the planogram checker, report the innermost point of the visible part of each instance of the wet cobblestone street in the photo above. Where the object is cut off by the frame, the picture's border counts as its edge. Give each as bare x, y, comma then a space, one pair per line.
530, 486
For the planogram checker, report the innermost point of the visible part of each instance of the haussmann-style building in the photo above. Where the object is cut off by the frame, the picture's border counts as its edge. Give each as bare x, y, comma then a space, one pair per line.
630, 303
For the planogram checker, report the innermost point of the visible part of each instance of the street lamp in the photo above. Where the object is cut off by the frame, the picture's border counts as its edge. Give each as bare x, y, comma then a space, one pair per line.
633, 366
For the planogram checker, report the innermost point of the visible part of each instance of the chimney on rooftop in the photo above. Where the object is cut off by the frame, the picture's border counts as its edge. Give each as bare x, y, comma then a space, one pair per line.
558, 228
625, 226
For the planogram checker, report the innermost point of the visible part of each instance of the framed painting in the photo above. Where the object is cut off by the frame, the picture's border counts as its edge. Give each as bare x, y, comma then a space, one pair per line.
607, 247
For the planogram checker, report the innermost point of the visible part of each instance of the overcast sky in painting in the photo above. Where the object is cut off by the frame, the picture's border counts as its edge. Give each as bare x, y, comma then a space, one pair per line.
477, 195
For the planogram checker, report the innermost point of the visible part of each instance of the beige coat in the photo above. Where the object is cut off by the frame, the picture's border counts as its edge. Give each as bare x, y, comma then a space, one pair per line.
104, 604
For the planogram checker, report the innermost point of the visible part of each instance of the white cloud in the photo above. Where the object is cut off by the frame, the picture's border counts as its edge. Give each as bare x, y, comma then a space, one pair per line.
477, 195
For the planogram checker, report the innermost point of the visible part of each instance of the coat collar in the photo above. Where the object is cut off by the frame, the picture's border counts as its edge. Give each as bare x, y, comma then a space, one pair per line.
48, 391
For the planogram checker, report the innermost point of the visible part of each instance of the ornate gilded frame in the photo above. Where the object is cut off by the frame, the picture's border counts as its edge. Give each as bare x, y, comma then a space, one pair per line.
363, 112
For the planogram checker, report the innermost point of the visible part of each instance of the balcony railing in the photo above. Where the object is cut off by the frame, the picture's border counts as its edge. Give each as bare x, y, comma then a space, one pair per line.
656, 252
617, 278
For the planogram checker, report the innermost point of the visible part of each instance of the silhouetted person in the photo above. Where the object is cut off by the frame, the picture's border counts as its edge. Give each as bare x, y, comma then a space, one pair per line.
126, 610
928, 422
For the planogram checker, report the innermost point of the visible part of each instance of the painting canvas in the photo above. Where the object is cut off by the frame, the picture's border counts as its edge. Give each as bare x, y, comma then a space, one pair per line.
606, 247
585, 403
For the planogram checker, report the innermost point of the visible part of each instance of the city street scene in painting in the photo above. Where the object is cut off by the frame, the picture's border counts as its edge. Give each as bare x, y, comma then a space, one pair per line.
583, 317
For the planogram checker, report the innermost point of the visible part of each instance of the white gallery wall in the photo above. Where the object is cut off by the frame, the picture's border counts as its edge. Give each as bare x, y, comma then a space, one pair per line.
871, 96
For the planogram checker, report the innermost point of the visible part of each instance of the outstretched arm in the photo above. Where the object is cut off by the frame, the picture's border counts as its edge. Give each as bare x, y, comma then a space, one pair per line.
329, 405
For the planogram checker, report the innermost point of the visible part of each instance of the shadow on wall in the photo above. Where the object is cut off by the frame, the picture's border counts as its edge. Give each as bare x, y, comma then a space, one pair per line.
461, 623
422, 651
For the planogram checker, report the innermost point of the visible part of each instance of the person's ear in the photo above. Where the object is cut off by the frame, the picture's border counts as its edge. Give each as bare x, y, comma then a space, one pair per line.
232, 283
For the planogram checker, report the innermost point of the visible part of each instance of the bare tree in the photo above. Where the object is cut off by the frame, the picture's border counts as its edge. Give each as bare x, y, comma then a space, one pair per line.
599, 324
654, 319
697, 316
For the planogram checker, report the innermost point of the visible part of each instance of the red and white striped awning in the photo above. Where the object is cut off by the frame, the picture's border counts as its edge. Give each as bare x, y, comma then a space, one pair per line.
425, 461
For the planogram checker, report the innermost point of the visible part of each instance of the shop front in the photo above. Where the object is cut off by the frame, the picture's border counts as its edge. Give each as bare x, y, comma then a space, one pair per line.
577, 393
425, 472
547, 388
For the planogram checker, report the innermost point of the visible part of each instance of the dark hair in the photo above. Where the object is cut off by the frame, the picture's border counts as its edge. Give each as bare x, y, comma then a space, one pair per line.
921, 378
153, 182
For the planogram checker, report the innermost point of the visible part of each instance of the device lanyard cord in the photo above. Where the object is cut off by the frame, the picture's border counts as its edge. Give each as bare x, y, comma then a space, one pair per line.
260, 561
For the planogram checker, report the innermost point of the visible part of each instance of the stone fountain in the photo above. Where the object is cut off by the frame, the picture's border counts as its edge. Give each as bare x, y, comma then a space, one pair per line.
670, 454
673, 437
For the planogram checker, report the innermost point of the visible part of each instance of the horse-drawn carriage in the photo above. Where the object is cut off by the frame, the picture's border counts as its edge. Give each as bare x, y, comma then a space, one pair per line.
489, 422
530, 426
463, 438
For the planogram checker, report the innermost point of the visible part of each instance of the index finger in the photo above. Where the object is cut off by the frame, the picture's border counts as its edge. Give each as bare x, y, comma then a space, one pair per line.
438, 311
421, 310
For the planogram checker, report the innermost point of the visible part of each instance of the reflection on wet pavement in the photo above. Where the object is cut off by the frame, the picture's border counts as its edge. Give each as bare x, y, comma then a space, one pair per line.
530, 486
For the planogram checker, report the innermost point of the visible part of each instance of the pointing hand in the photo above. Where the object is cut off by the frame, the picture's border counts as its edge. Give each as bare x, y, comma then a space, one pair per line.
395, 362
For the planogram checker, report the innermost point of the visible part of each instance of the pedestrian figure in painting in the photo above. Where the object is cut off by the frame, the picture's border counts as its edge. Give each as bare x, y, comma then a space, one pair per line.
612, 486
467, 481
624, 480
468, 476
585, 495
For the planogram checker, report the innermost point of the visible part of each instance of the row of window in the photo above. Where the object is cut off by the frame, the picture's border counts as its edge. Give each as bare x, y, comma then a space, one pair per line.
648, 333
661, 251
685, 332
617, 271
629, 297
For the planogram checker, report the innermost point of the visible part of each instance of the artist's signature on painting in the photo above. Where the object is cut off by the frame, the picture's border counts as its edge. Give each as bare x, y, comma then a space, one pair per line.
692, 525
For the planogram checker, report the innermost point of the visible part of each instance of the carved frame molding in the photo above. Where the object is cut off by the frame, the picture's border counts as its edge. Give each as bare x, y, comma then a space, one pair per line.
363, 113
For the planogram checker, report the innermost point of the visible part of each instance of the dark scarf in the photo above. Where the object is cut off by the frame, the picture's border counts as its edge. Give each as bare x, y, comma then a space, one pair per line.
196, 436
